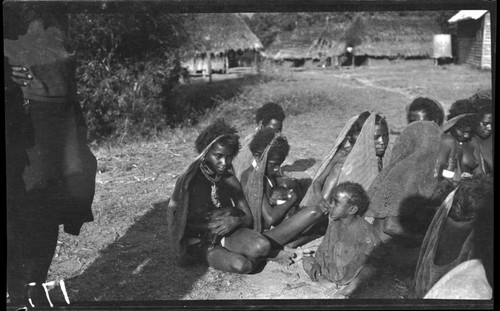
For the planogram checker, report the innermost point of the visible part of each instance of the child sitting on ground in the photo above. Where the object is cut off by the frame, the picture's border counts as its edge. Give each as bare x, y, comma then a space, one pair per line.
346, 253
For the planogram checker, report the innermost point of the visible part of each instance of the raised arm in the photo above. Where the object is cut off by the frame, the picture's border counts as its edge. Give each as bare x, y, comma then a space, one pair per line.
331, 180
319, 182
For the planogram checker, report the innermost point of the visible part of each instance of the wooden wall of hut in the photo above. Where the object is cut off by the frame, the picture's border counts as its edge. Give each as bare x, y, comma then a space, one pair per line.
248, 58
486, 60
221, 62
474, 42
202, 64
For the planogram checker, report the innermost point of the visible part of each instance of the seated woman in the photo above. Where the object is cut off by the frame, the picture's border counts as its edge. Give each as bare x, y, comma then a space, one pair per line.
280, 223
270, 115
264, 177
450, 239
457, 154
483, 140
407, 184
425, 109
208, 216
354, 157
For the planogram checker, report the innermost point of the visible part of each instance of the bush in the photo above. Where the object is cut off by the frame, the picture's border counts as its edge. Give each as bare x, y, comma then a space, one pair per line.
126, 65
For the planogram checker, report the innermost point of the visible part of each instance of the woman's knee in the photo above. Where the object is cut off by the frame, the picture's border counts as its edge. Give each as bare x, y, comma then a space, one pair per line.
242, 265
261, 247
231, 262
314, 213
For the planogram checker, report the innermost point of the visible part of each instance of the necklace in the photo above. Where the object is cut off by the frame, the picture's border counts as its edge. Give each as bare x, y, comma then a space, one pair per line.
213, 194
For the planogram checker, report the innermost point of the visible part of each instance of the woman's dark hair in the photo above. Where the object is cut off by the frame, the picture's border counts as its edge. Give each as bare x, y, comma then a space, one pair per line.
431, 107
357, 195
268, 112
468, 121
381, 120
217, 128
473, 195
461, 106
263, 138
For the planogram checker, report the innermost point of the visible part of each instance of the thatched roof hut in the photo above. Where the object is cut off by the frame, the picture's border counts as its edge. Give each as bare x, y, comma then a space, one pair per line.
292, 45
330, 42
393, 36
220, 32
215, 35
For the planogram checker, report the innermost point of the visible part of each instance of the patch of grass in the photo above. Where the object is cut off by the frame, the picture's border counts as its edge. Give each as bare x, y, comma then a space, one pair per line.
295, 96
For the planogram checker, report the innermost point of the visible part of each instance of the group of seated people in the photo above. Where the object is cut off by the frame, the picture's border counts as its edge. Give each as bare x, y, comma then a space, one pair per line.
235, 210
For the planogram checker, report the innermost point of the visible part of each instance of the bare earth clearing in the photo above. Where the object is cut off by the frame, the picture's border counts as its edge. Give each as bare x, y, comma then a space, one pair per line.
124, 254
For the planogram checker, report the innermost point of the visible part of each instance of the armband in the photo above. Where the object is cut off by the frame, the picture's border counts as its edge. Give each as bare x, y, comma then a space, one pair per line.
448, 174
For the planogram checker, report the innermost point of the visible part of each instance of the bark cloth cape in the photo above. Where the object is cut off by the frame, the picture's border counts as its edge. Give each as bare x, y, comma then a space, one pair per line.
427, 273
361, 164
244, 158
254, 189
410, 171
466, 281
60, 176
178, 205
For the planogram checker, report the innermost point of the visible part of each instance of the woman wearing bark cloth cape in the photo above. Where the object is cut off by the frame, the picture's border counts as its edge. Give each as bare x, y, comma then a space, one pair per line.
405, 194
59, 175
270, 115
462, 229
208, 216
354, 157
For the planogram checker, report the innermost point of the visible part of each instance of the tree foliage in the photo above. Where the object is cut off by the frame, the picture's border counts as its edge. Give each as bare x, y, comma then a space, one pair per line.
126, 64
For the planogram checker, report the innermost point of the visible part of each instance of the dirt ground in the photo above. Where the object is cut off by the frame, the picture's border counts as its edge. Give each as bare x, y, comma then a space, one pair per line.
124, 254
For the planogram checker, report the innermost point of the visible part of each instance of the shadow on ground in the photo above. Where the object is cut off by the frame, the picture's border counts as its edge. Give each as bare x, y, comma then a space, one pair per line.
188, 101
300, 165
394, 279
138, 266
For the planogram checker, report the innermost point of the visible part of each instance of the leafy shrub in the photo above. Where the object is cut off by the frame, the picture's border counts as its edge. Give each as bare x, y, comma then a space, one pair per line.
126, 64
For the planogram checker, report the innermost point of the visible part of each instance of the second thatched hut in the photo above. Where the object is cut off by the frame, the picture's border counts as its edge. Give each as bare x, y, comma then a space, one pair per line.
294, 47
329, 45
391, 36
